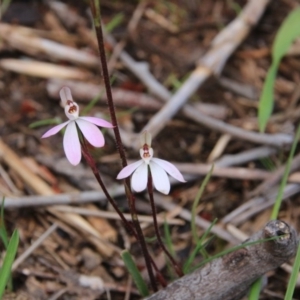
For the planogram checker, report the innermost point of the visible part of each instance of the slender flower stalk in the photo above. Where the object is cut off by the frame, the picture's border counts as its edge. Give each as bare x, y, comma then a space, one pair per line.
151, 170
129, 226
177, 268
91, 162
95, 8
75, 142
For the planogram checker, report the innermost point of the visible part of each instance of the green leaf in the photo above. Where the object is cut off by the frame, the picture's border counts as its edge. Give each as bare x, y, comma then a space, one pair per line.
115, 22
8, 261
168, 238
4, 6
294, 276
40, 123
256, 287
4, 238
199, 246
255, 290
94, 101
169, 244
284, 180
135, 273
287, 33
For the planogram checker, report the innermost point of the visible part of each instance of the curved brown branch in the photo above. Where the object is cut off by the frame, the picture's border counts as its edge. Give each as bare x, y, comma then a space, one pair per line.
230, 276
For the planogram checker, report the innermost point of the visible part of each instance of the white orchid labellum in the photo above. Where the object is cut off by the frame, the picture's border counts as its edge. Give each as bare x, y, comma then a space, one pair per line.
158, 167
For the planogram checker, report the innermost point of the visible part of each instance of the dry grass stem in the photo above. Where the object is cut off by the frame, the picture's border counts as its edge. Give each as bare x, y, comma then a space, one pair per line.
42, 69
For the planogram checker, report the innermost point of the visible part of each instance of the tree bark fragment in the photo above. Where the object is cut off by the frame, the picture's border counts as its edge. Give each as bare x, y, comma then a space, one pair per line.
229, 277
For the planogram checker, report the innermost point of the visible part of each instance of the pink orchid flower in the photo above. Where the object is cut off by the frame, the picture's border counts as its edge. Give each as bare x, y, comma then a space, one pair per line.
87, 125
158, 167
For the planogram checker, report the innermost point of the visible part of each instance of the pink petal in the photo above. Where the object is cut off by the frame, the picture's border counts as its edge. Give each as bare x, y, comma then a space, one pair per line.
91, 132
97, 121
128, 170
139, 178
54, 130
160, 178
71, 144
169, 168
65, 95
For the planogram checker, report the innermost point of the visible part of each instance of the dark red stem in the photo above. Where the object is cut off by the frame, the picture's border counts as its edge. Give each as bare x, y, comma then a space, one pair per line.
131, 201
131, 228
106, 79
159, 239
93, 166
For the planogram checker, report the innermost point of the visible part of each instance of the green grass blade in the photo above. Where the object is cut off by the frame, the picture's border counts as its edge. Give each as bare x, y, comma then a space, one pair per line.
199, 246
3, 7
3, 232
287, 33
283, 182
235, 6
40, 123
115, 22
92, 103
266, 101
294, 276
168, 238
169, 244
268, 164
8, 261
196, 202
255, 290
295, 271
4, 238
135, 273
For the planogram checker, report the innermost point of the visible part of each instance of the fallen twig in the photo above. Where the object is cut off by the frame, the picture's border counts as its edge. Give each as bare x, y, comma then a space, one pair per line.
86, 91
64, 199
244, 90
257, 204
222, 47
141, 70
42, 69
237, 173
244, 157
84, 197
83, 91
31, 44
275, 177
229, 277
114, 216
